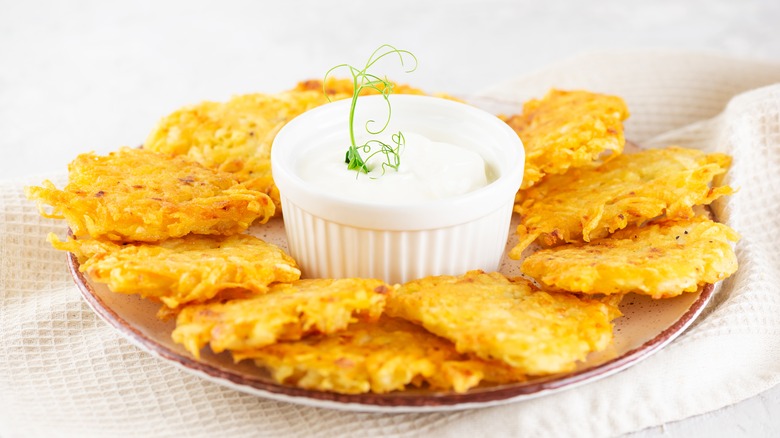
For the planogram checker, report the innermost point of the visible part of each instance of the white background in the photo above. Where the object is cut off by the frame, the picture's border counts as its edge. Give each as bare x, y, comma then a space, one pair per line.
89, 75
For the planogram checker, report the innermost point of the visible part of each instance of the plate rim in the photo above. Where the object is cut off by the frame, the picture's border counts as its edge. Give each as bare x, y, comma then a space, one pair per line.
392, 402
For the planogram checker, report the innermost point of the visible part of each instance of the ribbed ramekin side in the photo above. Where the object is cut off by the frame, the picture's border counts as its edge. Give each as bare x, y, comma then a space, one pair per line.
325, 249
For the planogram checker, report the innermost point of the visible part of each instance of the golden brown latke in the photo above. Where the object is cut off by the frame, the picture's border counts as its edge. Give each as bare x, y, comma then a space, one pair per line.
383, 356
191, 269
139, 195
662, 259
286, 312
342, 88
236, 136
233, 136
586, 204
568, 129
508, 320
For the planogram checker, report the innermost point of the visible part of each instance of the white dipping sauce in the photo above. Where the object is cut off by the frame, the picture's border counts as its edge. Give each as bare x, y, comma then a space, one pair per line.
429, 170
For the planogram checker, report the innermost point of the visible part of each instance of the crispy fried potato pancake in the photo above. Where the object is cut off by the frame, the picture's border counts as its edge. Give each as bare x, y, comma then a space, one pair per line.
663, 259
342, 88
236, 136
586, 204
139, 195
191, 269
568, 129
383, 356
287, 312
507, 320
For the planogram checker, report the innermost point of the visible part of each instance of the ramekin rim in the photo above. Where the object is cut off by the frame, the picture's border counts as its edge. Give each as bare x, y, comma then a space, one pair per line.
450, 211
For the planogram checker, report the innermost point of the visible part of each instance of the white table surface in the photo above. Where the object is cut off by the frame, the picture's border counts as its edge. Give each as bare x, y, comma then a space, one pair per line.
88, 75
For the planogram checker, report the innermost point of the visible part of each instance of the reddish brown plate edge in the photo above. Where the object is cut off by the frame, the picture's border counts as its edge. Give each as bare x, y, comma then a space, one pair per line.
478, 397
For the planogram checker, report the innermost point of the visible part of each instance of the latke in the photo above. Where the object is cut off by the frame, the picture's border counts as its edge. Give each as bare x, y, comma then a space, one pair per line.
380, 357
287, 312
191, 269
139, 195
512, 321
568, 129
586, 204
663, 260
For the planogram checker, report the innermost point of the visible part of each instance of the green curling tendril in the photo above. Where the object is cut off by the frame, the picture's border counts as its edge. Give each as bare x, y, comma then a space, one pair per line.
361, 80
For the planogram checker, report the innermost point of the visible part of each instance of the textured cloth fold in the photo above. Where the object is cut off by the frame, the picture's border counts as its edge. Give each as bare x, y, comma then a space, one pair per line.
64, 372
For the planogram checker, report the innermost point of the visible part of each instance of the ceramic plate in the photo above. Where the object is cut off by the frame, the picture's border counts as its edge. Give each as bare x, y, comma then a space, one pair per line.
647, 325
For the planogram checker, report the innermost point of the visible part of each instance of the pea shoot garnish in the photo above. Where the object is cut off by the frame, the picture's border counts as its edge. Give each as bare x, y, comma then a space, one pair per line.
363, 80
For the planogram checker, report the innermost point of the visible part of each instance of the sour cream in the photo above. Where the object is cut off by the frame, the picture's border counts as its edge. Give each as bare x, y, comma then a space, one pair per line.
428, 170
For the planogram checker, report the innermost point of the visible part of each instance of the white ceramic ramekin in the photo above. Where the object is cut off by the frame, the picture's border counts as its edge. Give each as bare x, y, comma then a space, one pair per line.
332, 236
